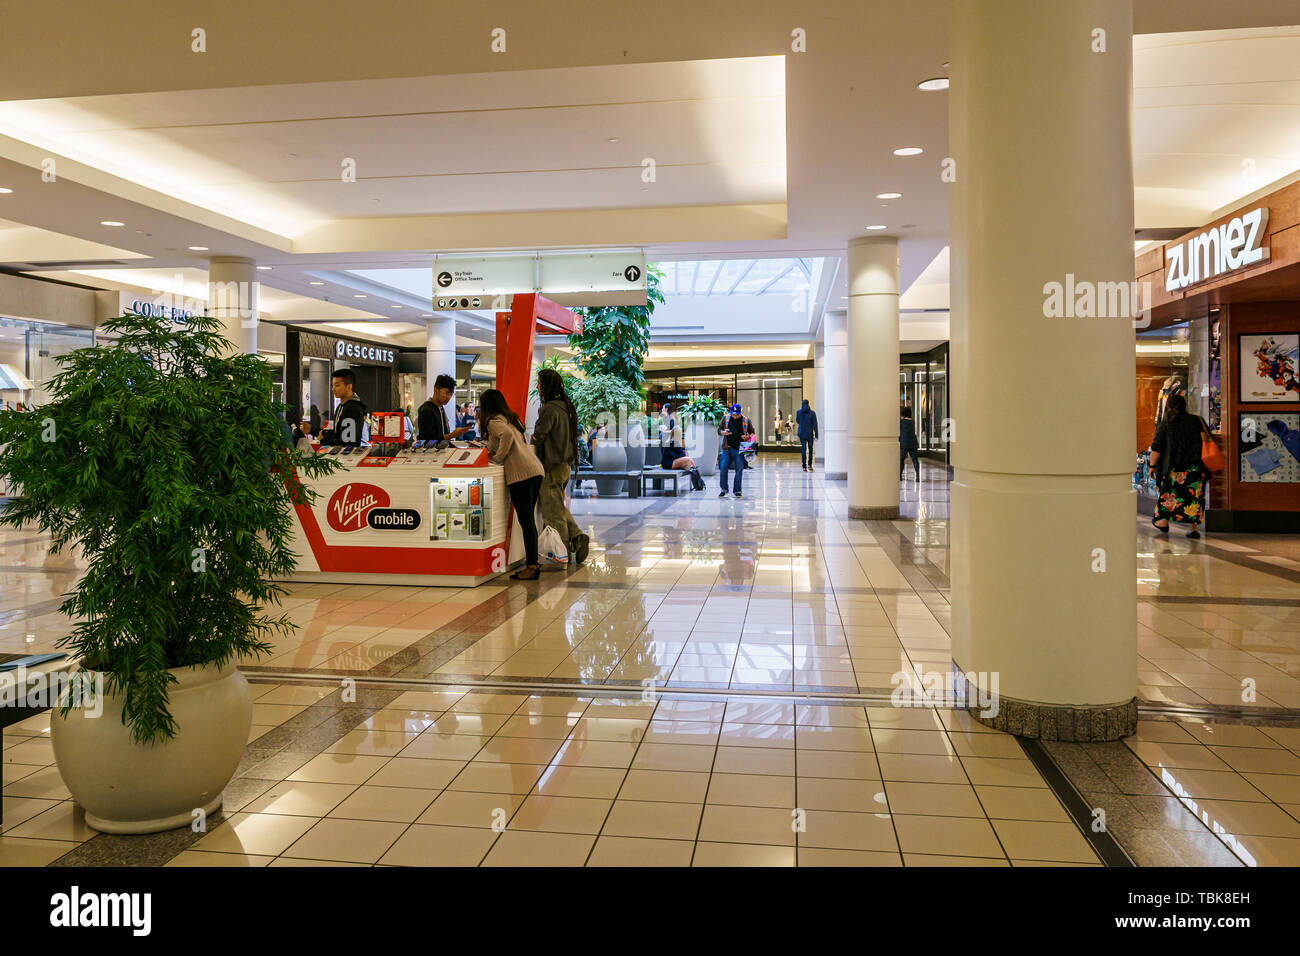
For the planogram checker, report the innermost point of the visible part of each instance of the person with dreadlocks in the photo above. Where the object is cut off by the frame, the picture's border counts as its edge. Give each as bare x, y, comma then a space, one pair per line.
556, 438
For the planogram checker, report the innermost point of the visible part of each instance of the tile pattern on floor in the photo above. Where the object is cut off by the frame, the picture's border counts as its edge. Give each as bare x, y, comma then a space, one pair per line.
474, 777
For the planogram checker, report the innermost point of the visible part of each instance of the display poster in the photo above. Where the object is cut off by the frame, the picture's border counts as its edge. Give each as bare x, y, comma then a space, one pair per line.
1269, 447
1269, 367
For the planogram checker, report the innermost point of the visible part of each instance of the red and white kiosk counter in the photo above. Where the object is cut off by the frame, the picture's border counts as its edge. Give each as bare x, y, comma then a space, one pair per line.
424, 516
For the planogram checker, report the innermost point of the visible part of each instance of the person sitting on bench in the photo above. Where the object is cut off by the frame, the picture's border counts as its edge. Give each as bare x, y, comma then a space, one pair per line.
673, 455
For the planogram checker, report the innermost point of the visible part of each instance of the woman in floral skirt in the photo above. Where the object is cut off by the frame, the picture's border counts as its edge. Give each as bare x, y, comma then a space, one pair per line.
1176, 456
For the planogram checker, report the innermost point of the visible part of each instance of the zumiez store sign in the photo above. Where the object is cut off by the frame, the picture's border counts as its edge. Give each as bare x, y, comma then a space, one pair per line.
1234, 245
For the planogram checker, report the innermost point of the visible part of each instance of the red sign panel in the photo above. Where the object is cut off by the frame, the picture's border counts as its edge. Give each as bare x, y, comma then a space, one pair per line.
348, 507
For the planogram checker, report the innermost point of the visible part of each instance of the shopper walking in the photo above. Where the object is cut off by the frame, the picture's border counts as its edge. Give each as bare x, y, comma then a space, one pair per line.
508, 448
1180, 473
807, 421
734, 434
908, 445
556, 438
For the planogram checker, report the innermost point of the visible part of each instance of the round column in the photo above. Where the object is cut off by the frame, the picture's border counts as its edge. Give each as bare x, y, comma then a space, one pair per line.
232, 298
873, 382
439, 350
834, 422
1043, 563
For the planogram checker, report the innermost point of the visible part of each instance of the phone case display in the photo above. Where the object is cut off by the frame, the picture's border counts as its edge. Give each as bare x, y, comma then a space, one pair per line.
1269, 371
1269, 447
461, 508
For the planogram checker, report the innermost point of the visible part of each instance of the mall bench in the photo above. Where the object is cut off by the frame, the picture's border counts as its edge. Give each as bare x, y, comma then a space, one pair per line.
632, 478
14, 697
659, 475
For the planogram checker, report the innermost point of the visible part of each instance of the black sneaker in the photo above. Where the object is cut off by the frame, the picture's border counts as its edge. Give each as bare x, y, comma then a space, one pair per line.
739, 495
722, 494
581, 544
1193, 534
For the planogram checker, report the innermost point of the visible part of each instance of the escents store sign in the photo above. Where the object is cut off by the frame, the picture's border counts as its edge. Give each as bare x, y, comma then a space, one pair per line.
352, 350
1214, 252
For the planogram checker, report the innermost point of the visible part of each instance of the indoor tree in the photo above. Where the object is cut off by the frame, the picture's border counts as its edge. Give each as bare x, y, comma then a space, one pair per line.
615, 338
164, 461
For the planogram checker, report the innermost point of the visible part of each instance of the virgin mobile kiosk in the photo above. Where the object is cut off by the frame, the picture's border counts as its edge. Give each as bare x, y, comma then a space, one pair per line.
419, 515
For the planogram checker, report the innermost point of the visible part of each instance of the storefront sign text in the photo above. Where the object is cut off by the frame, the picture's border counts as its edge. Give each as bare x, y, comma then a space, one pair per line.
1233, 245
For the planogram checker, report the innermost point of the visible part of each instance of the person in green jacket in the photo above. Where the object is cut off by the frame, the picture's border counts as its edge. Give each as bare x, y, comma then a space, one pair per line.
556, 438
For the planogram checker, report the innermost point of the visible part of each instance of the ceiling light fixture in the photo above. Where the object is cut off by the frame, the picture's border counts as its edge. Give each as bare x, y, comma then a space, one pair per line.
5, 189
933, 84
612, 139
889, 195
263, 268
358, 295
198, 248
111, 222
877, 227
315, 283
909, 151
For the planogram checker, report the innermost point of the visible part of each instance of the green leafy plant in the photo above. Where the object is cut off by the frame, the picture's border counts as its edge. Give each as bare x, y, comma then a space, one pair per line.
602, 394
615, 338
164, 461
704, 408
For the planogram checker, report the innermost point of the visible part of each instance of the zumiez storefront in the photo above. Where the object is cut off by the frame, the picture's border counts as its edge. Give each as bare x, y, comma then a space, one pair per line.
1225, 332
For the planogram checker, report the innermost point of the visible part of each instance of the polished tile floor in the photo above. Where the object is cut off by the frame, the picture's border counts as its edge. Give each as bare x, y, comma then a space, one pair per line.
776, 593
462, 777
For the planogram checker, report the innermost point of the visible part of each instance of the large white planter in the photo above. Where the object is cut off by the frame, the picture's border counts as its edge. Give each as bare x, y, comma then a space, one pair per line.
702, 443
125, 787
610, 456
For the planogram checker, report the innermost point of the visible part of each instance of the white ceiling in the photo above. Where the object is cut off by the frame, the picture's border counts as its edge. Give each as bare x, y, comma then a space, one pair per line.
760, 152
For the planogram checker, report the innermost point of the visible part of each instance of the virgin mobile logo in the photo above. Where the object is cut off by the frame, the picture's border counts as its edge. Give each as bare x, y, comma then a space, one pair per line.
348, 507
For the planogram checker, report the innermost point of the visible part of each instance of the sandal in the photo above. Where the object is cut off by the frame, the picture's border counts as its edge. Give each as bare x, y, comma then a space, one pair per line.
530, 573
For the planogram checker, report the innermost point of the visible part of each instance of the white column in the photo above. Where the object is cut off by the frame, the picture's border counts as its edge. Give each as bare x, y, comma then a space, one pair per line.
834, 419
873, 377
439, 351
819, 397
232, 298
1043, 562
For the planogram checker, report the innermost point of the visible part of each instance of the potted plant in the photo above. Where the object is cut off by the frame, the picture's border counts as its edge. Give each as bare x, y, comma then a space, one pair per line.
164, 462
608, 400
701, 417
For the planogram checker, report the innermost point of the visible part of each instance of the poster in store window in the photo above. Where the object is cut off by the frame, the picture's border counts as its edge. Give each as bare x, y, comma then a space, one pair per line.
1269, 447
1270, 366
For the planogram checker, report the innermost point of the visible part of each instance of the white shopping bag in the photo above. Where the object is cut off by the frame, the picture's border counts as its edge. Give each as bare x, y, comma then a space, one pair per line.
551, 548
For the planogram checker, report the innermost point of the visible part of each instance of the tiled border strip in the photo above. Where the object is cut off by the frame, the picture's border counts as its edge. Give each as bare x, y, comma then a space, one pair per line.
1104, 844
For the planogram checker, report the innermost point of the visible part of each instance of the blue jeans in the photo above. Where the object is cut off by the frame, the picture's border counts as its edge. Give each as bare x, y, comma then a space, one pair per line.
806, 451
731, 459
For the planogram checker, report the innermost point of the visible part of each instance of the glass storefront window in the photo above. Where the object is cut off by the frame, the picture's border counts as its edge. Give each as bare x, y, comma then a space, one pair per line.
32, 350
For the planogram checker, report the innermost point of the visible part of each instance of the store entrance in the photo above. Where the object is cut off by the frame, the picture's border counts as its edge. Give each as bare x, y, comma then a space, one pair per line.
374, 386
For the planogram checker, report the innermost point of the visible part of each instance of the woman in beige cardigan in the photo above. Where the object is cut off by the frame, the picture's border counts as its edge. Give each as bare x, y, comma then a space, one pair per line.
508, 448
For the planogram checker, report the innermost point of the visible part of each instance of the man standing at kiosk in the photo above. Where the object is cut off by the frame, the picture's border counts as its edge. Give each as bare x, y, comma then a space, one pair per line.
432, 415
350, 416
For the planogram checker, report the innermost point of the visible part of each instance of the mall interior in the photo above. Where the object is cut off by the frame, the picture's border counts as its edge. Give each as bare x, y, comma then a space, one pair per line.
1036, 229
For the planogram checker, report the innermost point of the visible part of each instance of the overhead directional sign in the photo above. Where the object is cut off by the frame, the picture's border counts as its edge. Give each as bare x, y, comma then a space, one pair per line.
567, 278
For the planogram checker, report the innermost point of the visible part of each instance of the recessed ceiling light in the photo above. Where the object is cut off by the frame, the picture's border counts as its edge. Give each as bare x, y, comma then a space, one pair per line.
933, 84
909, 151
612, 139
111, 222
358, 295
315, 283
263, 268
397, 307
426, 315
877, 227
198, 248
5, 189
889, 195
